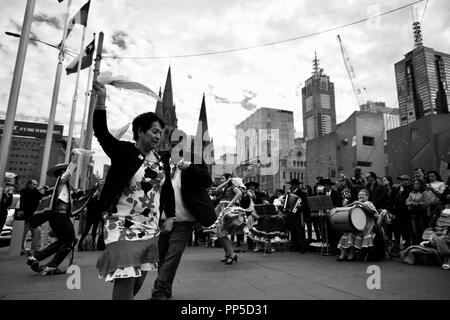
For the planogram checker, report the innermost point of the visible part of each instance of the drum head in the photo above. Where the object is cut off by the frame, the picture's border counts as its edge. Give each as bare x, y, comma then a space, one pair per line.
358, 218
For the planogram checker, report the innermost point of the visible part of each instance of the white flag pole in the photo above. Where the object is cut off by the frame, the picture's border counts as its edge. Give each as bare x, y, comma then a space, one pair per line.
74, 101
15, 90
51, 118
83, 124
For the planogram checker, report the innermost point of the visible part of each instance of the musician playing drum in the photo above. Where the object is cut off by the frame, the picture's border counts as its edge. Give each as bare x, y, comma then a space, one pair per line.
358, 240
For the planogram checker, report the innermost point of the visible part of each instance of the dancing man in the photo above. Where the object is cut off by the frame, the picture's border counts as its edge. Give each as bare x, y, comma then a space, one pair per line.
58, 210
192, 203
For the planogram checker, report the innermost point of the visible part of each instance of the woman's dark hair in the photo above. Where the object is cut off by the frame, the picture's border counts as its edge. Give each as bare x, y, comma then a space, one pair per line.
421, 183
144, 122
389, 178
373, 175
29, 183
438, 176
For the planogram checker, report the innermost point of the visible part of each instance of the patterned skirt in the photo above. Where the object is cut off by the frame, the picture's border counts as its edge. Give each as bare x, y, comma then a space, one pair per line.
269, 229
358, 241
230, 221
127, 259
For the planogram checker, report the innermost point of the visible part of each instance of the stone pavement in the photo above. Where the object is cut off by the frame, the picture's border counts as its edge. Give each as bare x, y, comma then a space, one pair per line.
278, 276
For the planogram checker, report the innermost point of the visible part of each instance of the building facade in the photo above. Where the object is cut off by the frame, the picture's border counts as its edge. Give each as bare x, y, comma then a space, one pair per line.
422, 79
424, 143
27, 150
318, 104
269, 134
359, 141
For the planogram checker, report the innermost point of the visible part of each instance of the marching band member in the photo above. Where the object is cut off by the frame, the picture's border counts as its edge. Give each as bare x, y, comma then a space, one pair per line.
295, 221
351, 241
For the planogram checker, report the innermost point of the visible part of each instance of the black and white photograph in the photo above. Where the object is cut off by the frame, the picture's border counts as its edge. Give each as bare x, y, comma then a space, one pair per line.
225, 155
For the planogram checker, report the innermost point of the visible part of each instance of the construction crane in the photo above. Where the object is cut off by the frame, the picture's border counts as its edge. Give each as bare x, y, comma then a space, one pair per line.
359, 94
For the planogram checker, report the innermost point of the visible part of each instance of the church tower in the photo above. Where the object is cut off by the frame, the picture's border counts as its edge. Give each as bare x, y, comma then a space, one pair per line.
166, 111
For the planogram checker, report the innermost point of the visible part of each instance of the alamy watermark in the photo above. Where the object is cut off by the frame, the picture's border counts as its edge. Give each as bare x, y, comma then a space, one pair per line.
260, 146
374, 280
74, 280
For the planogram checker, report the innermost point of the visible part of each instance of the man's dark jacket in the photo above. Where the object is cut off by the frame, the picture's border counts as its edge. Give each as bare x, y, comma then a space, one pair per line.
194, 183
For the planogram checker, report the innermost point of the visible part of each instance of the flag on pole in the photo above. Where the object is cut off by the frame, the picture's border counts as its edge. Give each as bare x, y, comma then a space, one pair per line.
86, 60
81, 18
118, 133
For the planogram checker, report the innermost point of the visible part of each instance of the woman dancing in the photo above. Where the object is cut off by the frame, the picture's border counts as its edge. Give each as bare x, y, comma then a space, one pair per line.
136, 190
231, 217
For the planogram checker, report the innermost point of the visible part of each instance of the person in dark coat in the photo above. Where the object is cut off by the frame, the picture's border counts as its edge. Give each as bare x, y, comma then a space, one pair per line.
6, 201
336, 198
30, 196
295, 222
193, 204
377, 193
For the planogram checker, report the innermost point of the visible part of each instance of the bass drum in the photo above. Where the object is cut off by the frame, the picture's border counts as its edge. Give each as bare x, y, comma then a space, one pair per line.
348, 219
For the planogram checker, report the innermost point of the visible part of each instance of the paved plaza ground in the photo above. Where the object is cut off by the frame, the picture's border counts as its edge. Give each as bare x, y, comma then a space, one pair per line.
279, 276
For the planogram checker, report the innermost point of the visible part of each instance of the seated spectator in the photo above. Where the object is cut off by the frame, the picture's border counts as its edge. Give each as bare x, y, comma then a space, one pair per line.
435, 248
364, 239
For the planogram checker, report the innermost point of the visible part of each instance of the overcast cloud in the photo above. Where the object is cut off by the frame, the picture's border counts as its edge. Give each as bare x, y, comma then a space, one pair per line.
235, 84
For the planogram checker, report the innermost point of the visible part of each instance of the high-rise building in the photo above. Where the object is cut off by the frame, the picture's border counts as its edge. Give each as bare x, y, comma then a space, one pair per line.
318, 104
422, 78
263, 140
27, 150
359, 142
166, 111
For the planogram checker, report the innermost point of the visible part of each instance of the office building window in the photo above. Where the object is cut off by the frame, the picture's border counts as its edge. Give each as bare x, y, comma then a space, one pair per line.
368, 141
364, 164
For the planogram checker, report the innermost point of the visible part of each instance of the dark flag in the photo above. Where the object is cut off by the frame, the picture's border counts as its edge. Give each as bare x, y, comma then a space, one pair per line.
81, 18
86, 60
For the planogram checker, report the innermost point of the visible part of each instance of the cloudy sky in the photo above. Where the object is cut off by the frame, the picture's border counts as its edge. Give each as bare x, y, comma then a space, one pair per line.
235, 83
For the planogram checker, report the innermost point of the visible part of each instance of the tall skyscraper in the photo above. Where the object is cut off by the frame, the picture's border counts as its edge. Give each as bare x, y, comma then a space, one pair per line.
422, 81
318, 104
166, 111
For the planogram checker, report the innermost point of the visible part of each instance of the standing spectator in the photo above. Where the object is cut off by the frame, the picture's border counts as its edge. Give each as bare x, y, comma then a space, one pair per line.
30, 196
401, 224
418, 202
356, 183
445, 197
377, 194
336, 198
94, 218
437, 188
7, 198
419, 173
